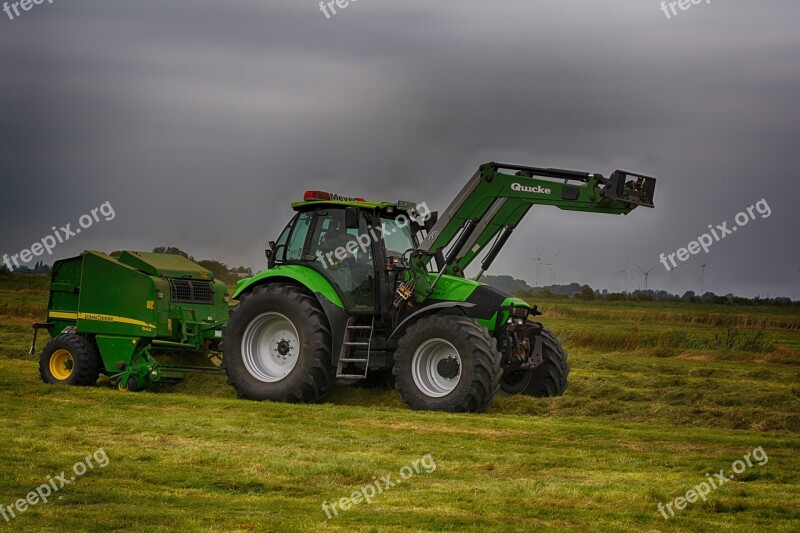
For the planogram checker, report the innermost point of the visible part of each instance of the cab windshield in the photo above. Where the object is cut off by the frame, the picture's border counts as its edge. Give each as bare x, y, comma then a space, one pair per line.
397, 236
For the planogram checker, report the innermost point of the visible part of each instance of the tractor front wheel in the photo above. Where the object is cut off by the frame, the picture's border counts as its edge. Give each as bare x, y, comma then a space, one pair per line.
69, 360
447, 363
549, 378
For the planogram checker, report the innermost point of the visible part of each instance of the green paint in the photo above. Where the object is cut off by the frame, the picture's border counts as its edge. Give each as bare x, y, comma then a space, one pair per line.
305, 276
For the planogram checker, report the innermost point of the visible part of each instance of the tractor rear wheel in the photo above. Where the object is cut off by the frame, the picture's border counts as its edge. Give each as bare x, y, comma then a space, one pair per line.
548, 379
70, 360
277, 346
447, 363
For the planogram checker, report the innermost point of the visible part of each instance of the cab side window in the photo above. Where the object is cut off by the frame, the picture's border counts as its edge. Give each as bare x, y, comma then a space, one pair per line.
294, 249
330, 235
352, 271
280, 245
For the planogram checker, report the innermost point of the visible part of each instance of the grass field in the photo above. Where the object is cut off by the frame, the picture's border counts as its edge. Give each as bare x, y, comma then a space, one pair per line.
660, 396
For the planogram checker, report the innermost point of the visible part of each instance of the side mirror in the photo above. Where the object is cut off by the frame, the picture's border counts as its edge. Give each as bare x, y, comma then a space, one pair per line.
351, 217
270, 253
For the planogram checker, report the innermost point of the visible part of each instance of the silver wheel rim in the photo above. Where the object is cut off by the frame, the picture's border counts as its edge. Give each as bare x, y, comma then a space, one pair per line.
425, 367
270, 347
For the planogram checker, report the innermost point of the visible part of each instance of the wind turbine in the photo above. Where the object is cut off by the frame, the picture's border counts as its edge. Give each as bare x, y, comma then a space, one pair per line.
551, 264
552, 272
646, 274
672, 271
538, 260
702, 275
702, 272
627, 273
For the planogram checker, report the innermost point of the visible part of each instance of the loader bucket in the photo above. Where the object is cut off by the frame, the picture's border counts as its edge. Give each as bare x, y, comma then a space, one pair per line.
630, 188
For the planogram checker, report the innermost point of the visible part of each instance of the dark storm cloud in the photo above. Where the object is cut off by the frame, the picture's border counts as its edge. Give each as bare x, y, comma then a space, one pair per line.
201, 121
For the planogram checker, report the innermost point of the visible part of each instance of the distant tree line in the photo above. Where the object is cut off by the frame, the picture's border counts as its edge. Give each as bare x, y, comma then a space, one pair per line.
230, 275
38, 268
585, 292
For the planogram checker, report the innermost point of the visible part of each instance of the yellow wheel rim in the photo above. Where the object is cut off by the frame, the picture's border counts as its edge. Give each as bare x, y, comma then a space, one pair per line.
61, 364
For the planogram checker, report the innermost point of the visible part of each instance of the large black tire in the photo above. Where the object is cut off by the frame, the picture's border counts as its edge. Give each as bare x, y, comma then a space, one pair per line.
546, 380
311, 376
478, 373
70, 360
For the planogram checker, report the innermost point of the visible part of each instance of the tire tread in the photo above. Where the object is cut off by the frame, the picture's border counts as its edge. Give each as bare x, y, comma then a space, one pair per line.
319, 381
486, 365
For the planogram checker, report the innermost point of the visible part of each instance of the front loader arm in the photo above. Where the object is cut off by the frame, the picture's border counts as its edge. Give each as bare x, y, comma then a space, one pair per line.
493, 202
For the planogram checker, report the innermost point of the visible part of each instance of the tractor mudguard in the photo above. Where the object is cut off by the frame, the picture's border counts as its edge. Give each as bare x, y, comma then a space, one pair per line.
305, 276
314, 282
425, 311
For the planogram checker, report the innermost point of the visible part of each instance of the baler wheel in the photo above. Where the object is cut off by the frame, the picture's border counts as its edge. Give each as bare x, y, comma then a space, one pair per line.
132, 386
70, 360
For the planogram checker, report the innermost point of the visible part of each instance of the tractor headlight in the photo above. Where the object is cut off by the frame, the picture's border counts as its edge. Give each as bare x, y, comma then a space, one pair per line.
520, 311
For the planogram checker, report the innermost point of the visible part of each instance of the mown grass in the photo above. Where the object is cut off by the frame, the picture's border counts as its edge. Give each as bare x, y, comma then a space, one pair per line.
705, 314
653, 405
768, 334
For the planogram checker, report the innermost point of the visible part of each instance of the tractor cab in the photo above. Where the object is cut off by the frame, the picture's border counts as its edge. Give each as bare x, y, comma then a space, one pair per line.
356, 245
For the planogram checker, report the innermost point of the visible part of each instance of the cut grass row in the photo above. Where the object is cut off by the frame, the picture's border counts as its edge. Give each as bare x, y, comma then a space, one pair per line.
193, 462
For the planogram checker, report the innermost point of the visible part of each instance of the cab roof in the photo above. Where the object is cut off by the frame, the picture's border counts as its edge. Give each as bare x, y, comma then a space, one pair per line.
297, 206
322, 198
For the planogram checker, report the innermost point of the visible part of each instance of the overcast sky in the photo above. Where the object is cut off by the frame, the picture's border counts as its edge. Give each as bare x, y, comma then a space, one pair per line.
201, 121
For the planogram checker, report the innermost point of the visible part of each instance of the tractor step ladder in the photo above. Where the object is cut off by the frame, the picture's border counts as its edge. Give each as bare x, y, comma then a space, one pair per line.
349, 346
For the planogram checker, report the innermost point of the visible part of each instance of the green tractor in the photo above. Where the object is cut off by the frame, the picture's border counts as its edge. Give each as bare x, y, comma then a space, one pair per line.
376, 291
